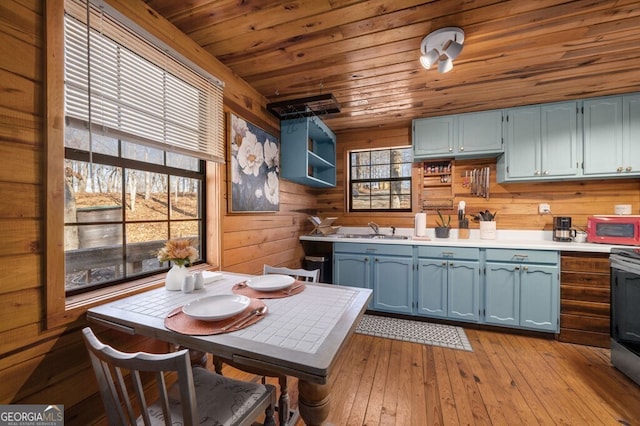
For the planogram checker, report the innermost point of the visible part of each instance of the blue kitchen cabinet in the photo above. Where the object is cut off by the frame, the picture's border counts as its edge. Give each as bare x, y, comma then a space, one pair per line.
308, 152
522, 289
386, 269
477, 134
448, 283
433, 137
603, 136
393, 283
631, 134
541, 143
611, 133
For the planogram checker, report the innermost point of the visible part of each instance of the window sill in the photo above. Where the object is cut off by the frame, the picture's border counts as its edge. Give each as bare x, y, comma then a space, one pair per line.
76, 306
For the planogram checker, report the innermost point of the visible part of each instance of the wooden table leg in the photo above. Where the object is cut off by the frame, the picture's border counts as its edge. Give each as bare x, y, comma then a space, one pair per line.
313, 402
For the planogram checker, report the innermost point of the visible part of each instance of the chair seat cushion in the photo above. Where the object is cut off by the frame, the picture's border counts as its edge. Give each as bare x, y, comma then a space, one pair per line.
221, 400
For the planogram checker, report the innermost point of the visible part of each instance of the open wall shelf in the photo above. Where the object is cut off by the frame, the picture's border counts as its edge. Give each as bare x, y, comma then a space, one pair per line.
308, 149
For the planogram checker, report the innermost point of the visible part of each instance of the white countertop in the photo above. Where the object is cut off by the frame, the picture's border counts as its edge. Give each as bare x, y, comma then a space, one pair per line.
524, 239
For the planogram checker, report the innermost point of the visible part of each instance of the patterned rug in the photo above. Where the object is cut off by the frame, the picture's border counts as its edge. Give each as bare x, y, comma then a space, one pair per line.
447, 336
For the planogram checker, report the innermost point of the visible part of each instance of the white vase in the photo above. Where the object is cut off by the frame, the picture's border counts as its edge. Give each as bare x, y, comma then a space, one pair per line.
175, 278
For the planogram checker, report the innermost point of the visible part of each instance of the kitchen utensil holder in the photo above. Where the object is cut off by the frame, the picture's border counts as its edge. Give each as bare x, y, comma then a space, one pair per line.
487, 230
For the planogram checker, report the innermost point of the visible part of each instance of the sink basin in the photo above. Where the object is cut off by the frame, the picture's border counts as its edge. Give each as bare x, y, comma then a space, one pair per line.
377, 236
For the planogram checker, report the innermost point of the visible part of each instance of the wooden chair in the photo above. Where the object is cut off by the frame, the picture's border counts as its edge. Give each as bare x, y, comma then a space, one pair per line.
199, 396
298, 274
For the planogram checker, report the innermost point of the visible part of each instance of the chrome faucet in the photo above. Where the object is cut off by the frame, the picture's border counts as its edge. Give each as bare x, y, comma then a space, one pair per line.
375, 227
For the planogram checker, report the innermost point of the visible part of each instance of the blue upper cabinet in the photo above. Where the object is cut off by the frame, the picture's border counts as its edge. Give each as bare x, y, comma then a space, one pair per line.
541, 142
308, 152
476, 134
611, 135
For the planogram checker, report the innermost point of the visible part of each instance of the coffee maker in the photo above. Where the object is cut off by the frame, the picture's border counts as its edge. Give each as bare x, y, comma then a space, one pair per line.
562, 228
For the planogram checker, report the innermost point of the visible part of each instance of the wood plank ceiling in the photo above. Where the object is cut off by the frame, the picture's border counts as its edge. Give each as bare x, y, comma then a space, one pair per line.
366, 52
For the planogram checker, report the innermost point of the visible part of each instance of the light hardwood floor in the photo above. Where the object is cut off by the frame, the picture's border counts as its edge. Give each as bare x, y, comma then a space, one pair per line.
507, 380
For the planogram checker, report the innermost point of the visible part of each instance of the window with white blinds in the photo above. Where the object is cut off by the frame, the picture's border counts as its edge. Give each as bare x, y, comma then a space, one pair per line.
135, 89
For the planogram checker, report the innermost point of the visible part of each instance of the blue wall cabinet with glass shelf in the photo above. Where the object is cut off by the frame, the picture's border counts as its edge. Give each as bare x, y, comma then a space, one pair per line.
308, 152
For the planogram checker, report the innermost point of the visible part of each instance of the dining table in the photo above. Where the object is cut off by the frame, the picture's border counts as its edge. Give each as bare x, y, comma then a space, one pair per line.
301, 335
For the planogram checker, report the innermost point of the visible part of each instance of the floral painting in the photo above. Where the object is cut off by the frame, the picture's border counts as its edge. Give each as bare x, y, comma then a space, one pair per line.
255, 168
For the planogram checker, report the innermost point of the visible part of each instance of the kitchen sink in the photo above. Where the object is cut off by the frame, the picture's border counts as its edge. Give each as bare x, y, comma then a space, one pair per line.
377, 236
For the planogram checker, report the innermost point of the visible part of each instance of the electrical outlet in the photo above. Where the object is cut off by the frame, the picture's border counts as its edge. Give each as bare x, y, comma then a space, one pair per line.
544, 208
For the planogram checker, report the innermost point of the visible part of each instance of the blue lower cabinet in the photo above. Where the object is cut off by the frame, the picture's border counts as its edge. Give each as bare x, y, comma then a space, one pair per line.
386, 269
352, 269
511, 288
432, 288
447, 286
523, 295
393, 284
464, 290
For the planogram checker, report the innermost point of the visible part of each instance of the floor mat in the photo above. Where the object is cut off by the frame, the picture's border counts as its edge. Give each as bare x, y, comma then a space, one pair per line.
447, 336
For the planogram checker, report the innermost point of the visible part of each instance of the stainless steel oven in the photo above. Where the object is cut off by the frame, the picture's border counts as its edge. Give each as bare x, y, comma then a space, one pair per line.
625, 311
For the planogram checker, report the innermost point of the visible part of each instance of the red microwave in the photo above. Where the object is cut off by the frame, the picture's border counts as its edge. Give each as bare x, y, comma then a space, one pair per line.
624, 229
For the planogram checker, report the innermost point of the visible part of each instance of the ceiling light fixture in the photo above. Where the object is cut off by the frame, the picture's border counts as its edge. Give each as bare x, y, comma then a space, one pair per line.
443, 45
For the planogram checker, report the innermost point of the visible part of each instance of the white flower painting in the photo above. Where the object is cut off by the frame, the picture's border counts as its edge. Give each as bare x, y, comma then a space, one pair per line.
255, 168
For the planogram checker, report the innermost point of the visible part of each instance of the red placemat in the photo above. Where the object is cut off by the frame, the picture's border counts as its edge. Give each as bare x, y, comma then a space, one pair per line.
293, 289
179, 322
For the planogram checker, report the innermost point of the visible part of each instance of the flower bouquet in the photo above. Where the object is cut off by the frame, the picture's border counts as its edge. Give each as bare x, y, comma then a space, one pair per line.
181, 253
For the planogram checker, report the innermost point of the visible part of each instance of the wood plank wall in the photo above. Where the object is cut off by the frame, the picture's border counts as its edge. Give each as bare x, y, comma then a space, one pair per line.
47, 366
516, 203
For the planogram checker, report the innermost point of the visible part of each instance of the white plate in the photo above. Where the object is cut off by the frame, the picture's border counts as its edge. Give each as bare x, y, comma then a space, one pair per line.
270, 282
215, 308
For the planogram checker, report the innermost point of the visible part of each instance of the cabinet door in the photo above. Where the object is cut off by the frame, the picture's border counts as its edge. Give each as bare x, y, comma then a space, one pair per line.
432, 287
603, 136
433, 136
393, 284
539, 297
631, 134
351, 269
559, 146
480, 132
463, 290
522, 150
502, 294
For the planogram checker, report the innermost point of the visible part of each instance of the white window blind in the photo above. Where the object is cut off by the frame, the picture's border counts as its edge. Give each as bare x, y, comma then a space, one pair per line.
137, 90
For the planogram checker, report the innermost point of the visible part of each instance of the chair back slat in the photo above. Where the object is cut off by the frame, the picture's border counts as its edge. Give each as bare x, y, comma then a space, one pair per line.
298, 274
124, 393
164, 398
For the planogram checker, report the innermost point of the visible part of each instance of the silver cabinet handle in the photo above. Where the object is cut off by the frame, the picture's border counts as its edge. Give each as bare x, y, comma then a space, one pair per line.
450, 149
444, 263
546, 172
628, 169
619, 170
462, 148
526, 268
537, 173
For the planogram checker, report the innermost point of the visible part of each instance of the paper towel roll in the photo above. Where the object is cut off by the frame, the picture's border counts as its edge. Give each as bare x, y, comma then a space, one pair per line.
421, 225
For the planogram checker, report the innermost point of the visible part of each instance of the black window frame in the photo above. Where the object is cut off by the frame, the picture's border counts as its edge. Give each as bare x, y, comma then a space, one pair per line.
351, 181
